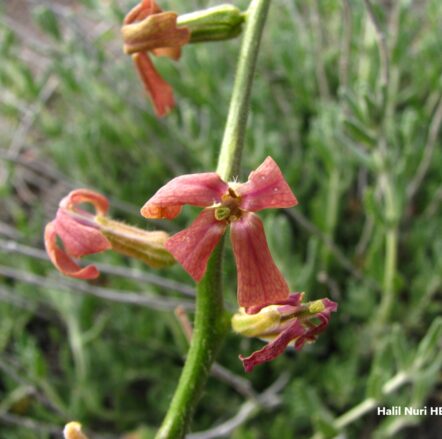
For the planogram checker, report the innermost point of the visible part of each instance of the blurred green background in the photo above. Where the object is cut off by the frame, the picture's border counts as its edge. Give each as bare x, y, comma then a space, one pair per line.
363, 159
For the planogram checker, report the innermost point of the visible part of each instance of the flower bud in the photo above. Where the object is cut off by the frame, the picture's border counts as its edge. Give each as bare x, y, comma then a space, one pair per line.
213, 24
72, 430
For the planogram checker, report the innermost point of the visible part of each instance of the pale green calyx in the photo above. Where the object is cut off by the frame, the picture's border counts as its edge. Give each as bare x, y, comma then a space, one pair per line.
213, 24
256, 325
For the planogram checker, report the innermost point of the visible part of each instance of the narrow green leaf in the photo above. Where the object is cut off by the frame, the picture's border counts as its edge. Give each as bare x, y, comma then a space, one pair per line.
48, 21
359, 133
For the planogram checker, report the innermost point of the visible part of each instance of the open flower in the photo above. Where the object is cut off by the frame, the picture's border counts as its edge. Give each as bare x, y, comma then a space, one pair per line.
259, 280
147, 29
83, 233
284, 322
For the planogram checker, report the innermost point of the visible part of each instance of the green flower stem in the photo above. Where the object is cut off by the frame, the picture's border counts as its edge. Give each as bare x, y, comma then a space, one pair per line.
234, 133
211, 323
210, 326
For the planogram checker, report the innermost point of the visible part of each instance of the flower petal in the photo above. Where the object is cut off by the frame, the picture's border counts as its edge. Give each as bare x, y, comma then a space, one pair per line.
78, 196
293, 300
168, 52
266, 188
259, 280
155, 31
193, 246
200, 190
315, 329
274, 348
141, 11
79, 239
62, 261
159, 91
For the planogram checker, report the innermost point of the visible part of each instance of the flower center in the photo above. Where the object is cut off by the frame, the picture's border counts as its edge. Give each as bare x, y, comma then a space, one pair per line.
229, 209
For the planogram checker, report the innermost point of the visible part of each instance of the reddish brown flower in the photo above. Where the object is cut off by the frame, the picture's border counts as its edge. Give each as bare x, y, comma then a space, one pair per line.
284, 322
259, 280
83, 233
148, 29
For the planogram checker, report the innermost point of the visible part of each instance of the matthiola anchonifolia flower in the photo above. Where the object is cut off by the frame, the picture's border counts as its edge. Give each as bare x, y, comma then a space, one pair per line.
285, 322
147, 28
259, 280
83, 233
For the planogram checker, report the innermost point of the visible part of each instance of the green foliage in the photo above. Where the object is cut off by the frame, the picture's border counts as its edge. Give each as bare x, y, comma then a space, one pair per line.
74, 114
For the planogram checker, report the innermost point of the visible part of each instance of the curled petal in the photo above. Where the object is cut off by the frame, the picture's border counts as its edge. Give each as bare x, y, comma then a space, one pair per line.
78, 196
159, 91
79, 239
193, 246
293, 300
274, 348
259, 280
62, 261
314, 330
200, 190
141, 11
266, 188
158, 30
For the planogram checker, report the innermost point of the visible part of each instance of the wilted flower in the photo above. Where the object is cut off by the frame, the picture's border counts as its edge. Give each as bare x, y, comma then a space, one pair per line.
284, 322
83, 233
259, 280
147, 29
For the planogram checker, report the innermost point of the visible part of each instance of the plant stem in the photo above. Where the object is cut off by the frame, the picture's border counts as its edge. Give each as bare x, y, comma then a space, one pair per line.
391, 240
368, 404
331, 214
234, 133
209, 329
210, 323
386, 175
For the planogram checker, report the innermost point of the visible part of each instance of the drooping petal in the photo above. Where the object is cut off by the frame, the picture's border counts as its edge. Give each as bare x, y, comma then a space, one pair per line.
79, 239
159, 91
266, 188
155, 31
193, 246
78, 196
62, 261
259, 280
274, 348
200, 190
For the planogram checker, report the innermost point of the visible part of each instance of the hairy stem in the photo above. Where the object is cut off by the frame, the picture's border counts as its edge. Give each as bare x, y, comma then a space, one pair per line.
234, 133
386, 176
210, 328
210, 323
